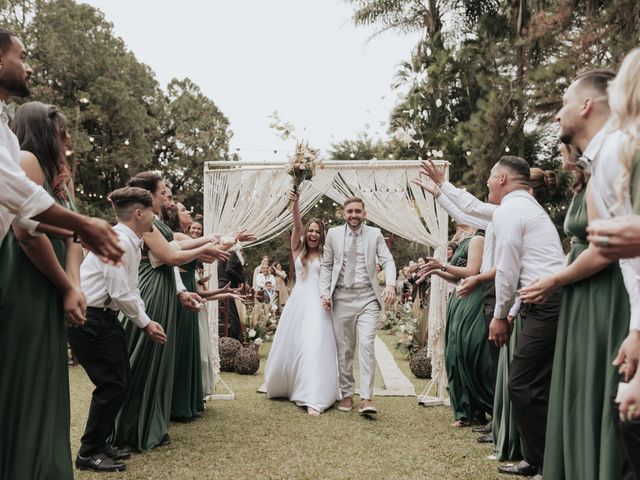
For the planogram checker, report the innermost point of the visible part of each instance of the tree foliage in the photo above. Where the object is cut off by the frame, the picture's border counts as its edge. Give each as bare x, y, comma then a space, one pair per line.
120, 119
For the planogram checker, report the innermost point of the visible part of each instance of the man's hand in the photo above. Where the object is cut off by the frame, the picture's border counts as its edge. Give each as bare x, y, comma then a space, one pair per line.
389, 295
427, 184
326, 303
244, 236
216, 253
432, 171
630, 406
467, 285
628, 355
616, 238
191, 301
98, 236
499, 331
539, 290
155, 332
75, 306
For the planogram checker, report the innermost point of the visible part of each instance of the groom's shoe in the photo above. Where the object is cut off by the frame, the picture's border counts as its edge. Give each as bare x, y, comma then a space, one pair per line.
367, 408
346, 404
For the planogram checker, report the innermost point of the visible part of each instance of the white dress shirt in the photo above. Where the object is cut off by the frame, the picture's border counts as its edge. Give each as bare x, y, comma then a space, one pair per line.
449, 200
262, 279
18, 195
527, 247
606, 168
362, 276
116, 287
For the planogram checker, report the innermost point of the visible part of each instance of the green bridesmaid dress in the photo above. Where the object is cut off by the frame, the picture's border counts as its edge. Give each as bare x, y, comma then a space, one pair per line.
467, 356
187, 381
506, 439
34, 385
593, 321
143, 421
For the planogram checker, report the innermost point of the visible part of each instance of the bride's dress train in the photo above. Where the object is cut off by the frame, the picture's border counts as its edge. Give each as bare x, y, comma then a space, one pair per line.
302, 365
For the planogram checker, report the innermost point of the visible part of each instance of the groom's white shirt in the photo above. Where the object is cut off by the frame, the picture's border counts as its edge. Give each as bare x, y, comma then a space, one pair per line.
373, 247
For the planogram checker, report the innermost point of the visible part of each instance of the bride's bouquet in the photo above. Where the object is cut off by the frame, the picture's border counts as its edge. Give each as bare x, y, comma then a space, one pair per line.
303, 164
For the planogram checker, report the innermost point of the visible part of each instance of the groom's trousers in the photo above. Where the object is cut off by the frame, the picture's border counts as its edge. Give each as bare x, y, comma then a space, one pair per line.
355, 315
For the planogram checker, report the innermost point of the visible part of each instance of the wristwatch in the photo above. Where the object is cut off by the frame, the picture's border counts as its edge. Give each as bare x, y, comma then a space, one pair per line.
444, 267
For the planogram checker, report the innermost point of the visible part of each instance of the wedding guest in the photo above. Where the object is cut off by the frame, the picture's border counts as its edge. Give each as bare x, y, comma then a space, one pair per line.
143, 421
467, 354
39, 289
451, 249
263, 277
18, 194
195, 230
187, 401
527, 246
270, 295
100, 343
621, 161
281, 285
258, 269
231, 272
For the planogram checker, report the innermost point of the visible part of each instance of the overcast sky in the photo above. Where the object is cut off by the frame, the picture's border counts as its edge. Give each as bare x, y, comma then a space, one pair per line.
302, 58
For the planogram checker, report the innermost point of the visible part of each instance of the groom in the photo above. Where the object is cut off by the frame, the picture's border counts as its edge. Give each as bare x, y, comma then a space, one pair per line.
349, 288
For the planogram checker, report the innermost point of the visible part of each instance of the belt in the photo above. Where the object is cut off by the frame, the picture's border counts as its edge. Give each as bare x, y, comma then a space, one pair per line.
355, 287
102, 312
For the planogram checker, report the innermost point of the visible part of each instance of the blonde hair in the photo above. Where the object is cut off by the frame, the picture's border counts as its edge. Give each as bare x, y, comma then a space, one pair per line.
624, 101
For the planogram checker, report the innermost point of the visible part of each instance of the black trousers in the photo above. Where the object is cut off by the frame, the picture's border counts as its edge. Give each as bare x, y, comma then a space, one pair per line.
530, 375
489, 307
234, 320
628, 439
101, 349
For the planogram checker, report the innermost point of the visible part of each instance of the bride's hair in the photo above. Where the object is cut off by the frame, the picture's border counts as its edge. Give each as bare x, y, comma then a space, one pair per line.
304, 256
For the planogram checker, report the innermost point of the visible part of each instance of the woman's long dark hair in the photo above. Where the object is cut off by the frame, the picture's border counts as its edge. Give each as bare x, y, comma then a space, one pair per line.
172, 220
42, 130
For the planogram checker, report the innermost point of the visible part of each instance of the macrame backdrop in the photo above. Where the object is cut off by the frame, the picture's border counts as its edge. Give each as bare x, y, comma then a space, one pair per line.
253, 196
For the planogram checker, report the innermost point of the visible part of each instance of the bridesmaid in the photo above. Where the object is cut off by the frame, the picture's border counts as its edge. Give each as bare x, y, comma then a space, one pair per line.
467, 355
187, 400
143, 421
35, 293
594, 317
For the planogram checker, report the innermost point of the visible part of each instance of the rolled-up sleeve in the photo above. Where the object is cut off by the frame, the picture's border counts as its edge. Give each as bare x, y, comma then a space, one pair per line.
18, 194
127, 301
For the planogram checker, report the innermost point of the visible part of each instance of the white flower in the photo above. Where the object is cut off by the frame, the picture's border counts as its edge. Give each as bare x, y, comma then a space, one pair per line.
258, 341
252, 333
438, 103
274, 308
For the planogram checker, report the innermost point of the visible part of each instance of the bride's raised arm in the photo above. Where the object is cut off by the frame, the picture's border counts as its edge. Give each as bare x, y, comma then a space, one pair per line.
298, 229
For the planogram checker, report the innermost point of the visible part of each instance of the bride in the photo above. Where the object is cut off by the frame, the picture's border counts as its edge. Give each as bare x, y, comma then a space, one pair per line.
303, 364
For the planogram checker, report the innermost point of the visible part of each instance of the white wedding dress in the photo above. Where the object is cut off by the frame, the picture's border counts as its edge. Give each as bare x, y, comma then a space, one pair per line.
303, 363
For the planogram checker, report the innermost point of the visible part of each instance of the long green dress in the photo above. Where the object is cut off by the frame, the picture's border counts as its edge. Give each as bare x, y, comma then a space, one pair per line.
593, 321
187, 381
467, 356
506, 439
34, 384
143, 420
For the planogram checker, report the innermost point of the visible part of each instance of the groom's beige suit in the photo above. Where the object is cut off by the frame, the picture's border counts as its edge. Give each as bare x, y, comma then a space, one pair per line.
356, 298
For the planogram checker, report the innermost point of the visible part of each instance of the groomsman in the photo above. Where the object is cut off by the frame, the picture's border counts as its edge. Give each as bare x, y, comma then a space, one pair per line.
100, 343
527, 246
19, 195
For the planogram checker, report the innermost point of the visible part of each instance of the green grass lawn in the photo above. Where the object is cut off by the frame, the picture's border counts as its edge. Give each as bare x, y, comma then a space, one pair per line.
255, 438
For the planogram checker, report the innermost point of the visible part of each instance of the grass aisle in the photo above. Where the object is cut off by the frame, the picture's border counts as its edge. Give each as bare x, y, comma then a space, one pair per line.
256, 438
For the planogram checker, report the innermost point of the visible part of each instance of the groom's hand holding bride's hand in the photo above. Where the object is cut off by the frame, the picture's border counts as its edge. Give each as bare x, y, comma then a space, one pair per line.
326, 303
389, 295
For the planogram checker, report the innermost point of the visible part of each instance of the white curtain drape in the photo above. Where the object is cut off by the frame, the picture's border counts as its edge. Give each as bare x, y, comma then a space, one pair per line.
253, 196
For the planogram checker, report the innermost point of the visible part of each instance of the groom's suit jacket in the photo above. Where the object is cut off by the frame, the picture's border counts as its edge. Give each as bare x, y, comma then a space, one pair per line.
375, 248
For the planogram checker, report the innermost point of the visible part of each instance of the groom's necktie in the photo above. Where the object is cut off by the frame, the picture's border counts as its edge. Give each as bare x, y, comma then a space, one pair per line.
350, 269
